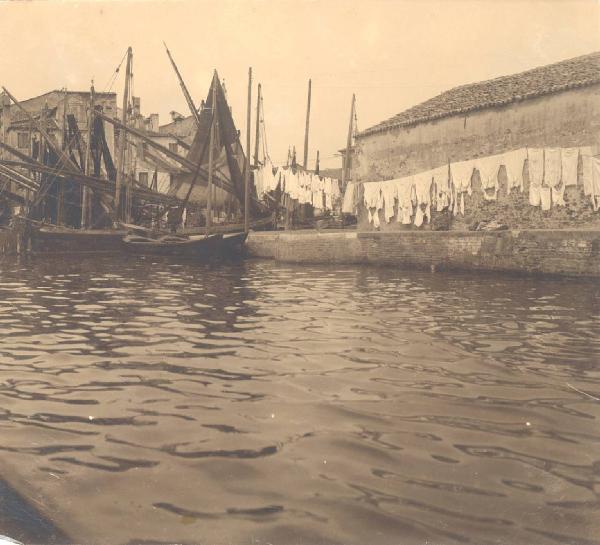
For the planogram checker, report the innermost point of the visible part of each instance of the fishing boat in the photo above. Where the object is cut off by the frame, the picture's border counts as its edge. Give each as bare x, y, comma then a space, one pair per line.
81, 201
200, 247
53, 240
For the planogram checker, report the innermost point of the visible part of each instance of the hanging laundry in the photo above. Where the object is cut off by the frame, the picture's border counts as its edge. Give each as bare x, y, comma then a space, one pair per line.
462, 203
569, 163
488, 168
389, 192
405, 195
545, 198
552, 167
535, 157
534, 195
513, 161
419, 216
461, 175
373, 200
587, 174
558, 195
441, 181
536, 166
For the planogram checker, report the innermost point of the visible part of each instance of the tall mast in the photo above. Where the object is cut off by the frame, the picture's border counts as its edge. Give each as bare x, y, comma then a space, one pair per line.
85, 194
305, 163
346, 165
186, 93
209, 189
123, 136
257, 138
247, 157
60, 207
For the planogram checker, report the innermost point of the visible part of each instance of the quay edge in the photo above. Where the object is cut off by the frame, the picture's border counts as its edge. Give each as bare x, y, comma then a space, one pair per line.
563, 252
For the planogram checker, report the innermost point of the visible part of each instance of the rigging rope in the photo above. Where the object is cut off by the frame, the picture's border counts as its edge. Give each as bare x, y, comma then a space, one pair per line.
114, 75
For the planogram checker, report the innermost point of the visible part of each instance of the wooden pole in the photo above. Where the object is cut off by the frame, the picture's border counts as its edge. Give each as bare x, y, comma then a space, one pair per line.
85, 192
305, 163
346, 165
60, 207
186, 93
257, 138
317, 166
247, 157
122, 137
209, 189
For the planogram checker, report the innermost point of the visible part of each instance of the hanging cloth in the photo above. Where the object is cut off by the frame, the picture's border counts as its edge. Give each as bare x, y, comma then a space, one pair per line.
441, 181
422, 184
488, 168
513, 161
389, 193
587, 174
552, 167
569, 163
535, 157
405, 190
461, 175
372, 199
545, 197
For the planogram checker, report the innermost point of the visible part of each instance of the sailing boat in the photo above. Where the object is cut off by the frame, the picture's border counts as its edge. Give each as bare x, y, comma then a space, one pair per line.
72, 198
217, 156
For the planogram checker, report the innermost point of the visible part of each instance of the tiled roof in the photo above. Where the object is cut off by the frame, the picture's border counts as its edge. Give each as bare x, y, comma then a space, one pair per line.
552, 78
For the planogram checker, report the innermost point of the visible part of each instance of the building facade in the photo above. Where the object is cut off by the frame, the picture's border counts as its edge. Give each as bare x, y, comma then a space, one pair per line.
554, 106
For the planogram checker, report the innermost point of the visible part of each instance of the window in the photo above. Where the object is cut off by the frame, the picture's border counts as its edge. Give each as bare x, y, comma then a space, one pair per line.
23, 140
144, 178
173, 147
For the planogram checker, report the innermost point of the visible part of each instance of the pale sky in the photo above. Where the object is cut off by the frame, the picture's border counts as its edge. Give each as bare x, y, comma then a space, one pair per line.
392, 54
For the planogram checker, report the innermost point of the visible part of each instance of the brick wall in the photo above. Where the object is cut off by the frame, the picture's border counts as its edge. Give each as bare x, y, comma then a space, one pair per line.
563, 252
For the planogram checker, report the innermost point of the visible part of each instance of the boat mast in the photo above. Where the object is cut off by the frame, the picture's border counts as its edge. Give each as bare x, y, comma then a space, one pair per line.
186, 93
123, 136
256, 140
213, 122
85, 193
247, 157
305, 163
60, 207
348, 144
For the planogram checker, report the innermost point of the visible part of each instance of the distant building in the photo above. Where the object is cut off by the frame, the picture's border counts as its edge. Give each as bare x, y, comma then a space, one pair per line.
181, 127
19, 132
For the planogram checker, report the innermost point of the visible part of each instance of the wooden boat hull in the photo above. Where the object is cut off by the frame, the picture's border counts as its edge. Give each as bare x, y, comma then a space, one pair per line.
199, 247
69, 241
232, 244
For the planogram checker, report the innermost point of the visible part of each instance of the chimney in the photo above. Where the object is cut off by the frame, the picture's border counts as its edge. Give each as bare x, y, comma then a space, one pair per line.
137, 106
153, 122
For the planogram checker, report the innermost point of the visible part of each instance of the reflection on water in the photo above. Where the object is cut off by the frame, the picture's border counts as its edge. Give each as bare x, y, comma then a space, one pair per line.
268, 403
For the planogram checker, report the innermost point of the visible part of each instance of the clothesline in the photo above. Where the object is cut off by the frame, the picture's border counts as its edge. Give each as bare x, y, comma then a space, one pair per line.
306, 187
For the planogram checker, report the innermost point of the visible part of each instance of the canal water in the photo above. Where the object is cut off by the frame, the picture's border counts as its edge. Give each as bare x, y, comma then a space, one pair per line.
260, 402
